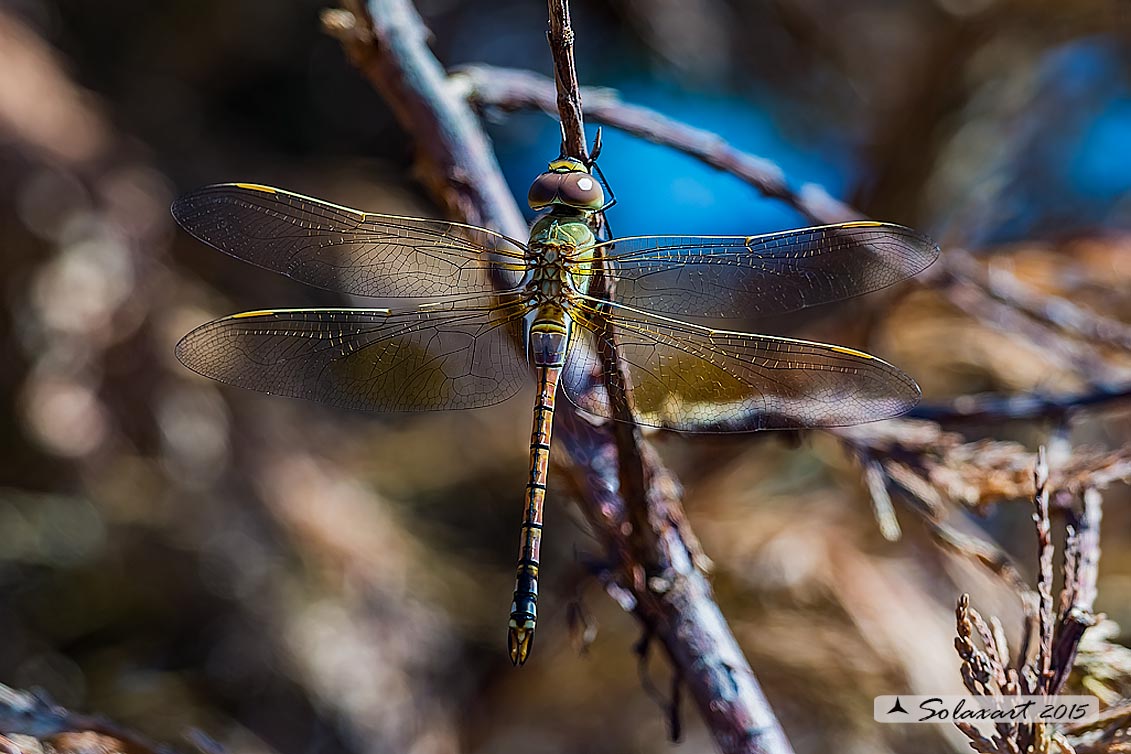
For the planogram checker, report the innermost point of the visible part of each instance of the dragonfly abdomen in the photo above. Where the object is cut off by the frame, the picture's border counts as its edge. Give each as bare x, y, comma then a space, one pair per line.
524, 609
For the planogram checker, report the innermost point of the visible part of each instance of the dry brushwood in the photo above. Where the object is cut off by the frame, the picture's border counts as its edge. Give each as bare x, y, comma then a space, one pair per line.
1043, 669
634, 503
930, 468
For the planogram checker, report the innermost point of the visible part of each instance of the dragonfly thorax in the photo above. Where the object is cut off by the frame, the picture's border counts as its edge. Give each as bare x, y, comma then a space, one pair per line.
560, 248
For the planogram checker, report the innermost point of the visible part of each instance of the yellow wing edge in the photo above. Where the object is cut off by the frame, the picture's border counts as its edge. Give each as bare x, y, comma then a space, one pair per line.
851, 352
256, 187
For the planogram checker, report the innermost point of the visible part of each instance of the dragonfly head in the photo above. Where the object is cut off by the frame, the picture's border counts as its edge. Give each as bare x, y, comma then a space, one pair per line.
566, 183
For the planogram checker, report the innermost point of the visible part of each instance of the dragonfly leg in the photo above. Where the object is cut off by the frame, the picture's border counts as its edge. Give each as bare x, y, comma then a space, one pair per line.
524, 609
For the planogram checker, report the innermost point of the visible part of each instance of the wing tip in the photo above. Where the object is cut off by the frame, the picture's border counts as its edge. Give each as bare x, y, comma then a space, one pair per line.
923, 250
185, 205
184, 352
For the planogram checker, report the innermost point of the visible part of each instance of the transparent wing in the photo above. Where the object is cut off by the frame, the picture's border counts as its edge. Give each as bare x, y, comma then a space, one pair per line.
342, 249
695, 379
736, 276
366, 359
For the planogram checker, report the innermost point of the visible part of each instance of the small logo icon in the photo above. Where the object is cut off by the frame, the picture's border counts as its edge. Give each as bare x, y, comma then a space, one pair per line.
898, 707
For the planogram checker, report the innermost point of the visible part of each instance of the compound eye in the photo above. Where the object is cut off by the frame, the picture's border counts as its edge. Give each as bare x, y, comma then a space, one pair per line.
544, 190
582, 190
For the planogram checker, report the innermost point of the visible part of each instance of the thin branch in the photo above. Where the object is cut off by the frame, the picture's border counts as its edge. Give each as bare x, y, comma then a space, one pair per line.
387, 41
1087, 526
1044, 572
954, 275
510, 90
994, 407
673, 599
560, 37
633, 472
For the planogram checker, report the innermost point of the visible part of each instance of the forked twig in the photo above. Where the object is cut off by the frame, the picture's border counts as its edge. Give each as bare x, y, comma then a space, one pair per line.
989, 670
387, 41
956, 273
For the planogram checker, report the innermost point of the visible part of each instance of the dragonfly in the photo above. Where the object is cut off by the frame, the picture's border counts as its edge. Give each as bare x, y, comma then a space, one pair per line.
475, 315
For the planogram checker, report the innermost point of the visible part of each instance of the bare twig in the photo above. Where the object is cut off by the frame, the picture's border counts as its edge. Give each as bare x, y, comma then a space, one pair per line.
1044, 572
386, 39
1087, 532
992, 407
560, 36
989, 300
633, 471
509, 89
876, 479
388, 43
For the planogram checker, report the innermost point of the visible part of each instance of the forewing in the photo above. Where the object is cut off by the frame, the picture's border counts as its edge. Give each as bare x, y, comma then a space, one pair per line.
342, 249
366, 359
695, 379
740, 277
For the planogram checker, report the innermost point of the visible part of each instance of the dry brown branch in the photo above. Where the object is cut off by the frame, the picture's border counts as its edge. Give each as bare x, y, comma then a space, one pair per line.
990, 299
388, 43
1044, 572
386, 40
1059, 633
560, 37
488, 87
1053, 310
923, 458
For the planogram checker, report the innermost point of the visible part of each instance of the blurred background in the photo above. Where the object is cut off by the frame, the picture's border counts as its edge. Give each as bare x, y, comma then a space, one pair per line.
288, 578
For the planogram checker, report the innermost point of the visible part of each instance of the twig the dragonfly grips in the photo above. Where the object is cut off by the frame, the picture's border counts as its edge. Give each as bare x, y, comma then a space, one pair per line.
389, 48
560, 36
657, 521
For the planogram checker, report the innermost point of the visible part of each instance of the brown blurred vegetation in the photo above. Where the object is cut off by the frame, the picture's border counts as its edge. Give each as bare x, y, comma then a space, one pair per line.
288, 578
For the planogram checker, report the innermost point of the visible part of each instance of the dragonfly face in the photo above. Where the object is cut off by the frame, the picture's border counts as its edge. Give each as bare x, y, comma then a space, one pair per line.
567, 184
494, 307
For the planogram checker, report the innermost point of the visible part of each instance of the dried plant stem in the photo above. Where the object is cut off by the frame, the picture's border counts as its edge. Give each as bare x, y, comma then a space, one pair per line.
509, 89
673, 598
386, 40
560, 37
987, 670
1044, 571
1003, 304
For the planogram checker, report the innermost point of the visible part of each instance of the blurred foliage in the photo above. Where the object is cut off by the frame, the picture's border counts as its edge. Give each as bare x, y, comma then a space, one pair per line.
294, 579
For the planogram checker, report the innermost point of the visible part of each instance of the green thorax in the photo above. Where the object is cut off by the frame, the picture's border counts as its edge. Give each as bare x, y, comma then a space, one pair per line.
561, 248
